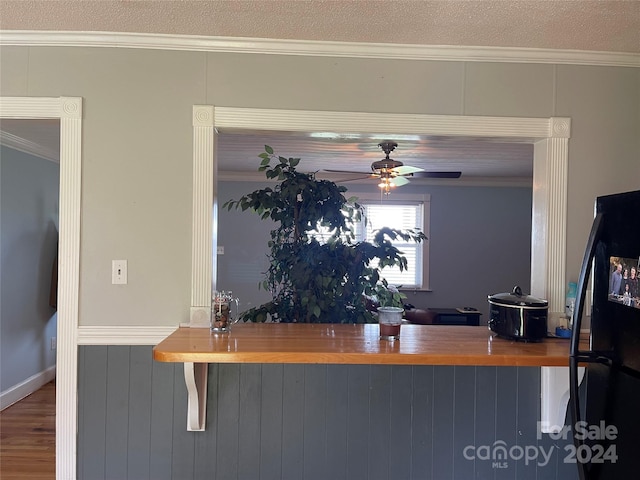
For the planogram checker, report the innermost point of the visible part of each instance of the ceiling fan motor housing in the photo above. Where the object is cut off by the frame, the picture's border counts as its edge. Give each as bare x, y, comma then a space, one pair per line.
385, 165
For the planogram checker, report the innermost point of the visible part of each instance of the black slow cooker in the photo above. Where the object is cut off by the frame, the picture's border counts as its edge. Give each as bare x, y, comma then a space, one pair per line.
518, 316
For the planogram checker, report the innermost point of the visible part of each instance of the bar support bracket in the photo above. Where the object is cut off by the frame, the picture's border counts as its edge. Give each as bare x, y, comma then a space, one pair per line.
195, 377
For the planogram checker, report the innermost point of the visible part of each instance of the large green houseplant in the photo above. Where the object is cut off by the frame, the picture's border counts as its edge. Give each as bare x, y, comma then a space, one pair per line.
310, 280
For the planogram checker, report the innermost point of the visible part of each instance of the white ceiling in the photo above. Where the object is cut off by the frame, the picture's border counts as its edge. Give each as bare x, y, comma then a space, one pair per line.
601, 25
476, 158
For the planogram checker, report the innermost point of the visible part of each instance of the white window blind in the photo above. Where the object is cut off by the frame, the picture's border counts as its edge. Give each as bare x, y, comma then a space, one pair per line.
402, 216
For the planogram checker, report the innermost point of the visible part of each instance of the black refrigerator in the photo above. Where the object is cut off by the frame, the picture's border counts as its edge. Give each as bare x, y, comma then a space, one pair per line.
605, 407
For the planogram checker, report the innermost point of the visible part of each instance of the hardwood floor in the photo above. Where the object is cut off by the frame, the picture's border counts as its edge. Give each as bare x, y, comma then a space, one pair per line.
28, 437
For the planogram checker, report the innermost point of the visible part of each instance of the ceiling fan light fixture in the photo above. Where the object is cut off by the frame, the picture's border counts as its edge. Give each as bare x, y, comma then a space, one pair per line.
386, 184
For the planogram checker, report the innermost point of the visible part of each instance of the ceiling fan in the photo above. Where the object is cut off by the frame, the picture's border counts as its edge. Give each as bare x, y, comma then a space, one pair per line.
393, 173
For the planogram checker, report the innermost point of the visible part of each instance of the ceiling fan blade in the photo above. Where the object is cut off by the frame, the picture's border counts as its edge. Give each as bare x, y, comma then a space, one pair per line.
406, 170
399, 181
352, 179
368, 174
437, 174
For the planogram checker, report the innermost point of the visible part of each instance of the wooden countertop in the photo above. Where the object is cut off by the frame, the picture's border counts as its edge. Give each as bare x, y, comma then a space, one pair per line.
357, 344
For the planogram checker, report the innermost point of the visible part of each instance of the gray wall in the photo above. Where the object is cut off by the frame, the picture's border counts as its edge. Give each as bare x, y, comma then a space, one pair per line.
244, 238
28, 219
137, 134
137, 142
297, 422
480, 244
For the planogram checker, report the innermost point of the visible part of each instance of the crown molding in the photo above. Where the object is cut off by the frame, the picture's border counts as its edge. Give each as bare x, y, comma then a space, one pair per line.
27, 146
317, 48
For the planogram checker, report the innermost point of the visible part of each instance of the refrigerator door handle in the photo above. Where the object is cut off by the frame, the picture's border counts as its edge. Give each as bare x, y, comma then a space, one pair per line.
574, 403
576, 355
585, 271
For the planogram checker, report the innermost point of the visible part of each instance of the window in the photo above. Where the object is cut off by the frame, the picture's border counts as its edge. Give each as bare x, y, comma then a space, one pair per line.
402, 212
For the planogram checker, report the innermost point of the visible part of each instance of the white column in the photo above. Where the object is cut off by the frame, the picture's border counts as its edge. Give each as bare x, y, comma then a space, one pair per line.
202, 258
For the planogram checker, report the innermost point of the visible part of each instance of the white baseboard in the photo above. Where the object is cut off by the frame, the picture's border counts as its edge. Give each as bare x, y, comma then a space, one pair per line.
27, 387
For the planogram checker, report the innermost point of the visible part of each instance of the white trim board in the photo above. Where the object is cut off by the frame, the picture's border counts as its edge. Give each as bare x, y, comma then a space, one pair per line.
26, 387
317, 48
69, 111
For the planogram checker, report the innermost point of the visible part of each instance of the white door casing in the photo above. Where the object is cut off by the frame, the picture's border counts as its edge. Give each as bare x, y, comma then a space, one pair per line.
69, 111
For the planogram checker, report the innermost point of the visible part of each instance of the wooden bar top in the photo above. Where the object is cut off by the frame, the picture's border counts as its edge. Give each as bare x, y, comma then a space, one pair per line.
357, 344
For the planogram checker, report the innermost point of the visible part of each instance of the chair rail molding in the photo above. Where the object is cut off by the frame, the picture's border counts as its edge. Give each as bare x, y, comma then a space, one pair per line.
550, 137
122, 335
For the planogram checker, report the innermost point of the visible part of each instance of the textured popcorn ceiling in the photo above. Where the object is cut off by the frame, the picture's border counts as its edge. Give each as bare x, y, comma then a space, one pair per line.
603, 25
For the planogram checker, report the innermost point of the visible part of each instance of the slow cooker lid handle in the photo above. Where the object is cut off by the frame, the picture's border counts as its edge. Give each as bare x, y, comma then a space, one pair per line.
517, 291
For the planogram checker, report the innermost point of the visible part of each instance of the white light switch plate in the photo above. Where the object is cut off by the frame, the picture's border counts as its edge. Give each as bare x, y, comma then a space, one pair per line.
119, 272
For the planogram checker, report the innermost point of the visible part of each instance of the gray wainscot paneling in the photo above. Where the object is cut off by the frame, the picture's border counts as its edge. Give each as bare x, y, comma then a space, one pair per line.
296, 422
